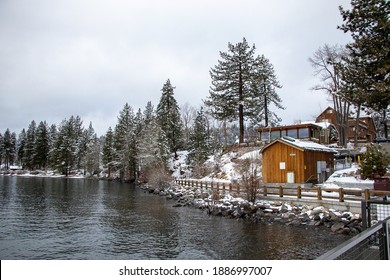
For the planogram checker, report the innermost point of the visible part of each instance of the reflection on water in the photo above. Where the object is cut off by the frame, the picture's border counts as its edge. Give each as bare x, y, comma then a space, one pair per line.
58, 218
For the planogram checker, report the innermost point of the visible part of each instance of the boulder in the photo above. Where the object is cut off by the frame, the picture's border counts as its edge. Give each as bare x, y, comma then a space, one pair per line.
337, 226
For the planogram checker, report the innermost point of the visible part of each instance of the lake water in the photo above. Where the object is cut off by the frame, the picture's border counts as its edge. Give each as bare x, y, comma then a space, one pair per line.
59, 218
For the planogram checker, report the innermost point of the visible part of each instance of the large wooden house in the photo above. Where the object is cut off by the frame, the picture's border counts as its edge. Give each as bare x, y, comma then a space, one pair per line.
293, 161
367, 128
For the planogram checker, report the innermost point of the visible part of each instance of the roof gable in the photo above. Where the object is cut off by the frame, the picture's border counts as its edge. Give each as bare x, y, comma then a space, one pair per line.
301, 145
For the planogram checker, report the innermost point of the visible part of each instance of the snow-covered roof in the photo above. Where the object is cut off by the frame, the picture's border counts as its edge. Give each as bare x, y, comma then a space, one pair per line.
304, 145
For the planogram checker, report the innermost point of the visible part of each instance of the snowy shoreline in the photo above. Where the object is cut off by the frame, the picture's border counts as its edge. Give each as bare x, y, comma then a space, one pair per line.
238, 208
262, 210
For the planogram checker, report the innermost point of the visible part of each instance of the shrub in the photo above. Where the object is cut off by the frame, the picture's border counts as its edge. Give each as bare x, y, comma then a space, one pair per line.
375, 162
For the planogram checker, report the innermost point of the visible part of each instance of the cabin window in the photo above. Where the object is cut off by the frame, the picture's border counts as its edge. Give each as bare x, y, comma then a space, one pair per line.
292, 133
275, 135
303, 133
264, 136
284, 133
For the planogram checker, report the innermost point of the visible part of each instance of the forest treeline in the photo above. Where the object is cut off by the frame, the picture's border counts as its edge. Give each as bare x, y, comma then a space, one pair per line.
243, 96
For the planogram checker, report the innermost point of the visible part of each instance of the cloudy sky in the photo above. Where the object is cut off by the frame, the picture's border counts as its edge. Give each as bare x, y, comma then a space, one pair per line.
89, 57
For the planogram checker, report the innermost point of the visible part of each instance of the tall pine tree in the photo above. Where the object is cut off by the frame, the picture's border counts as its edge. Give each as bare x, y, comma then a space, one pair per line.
231, 80
200, 139
108, 155
242, 87
29, 149
42, 145
265, 83
168, 117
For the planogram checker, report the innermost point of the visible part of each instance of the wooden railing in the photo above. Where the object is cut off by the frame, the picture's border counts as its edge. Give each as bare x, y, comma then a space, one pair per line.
339, 194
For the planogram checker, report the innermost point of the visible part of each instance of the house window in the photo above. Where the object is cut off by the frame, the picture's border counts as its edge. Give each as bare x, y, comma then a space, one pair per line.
303, 133
264, 136
292, 133
275, 135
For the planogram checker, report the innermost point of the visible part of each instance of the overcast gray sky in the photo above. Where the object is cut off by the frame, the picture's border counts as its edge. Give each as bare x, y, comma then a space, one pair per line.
89, 57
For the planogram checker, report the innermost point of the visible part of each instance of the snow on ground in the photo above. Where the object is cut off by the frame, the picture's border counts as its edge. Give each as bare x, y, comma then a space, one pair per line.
227, 170
348, 178
179, 166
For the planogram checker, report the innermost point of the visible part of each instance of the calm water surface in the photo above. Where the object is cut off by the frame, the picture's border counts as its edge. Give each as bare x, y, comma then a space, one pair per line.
59, 218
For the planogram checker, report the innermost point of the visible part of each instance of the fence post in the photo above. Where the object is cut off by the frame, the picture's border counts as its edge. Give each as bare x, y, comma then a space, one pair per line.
223, 187
280, 191
265, 190
218, 187
341, 194
319, 193
367, 195
299, 192
364, 215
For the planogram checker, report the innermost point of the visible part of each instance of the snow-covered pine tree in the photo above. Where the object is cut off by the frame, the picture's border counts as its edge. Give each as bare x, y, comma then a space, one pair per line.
151, 155
8, 148
20, 144
42, 145
67, 146
53, 138
92, 156
200, 139
168, 117
108, 155
265, 83
123, 138
29, 149
188, 114
231, 84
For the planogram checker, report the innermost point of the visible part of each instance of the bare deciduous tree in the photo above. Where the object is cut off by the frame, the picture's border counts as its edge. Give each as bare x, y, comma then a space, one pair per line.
326, 62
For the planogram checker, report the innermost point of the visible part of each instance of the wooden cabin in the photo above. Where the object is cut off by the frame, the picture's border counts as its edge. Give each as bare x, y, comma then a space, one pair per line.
293, 161
323, 133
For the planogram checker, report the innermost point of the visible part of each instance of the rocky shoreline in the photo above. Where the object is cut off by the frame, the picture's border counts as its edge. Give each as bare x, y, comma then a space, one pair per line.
262, 211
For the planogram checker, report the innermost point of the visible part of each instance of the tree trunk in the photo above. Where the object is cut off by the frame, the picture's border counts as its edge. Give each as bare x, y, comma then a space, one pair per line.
241, 107
357, 125
265, 109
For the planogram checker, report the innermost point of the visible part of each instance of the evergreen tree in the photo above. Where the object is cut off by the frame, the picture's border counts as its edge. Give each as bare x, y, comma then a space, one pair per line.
67, 145
231, 84
42, 145
20, 146
365, 74
86, 144
199, 139
52, 140
243, 87
29, 149
152, 145
123, 138
264, 85
168, 117
8, 148
375, 162
108, 150
91, 161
